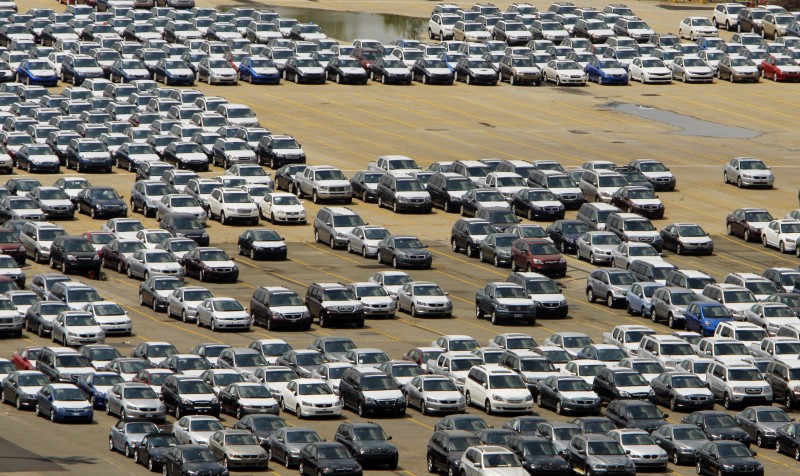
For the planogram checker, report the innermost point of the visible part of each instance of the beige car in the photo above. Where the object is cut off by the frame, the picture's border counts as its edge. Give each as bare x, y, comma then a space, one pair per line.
774, 24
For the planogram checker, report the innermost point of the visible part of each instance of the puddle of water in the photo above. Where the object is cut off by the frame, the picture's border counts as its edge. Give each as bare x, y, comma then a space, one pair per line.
690, 126
345, 26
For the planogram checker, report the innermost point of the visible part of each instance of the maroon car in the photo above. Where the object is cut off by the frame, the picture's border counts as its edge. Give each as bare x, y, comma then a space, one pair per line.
366, 56
11, 246
536, 254
25, 358
747, 223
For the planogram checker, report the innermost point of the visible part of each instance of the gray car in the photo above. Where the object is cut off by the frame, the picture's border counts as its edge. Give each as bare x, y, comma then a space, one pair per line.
424, 298
680, 441
597, 246
145, 263
404, 251
365, 239
587, 454
183, 302
496, 249
770, 316
559, 433
333, 348
611, 285
223, 313
748, 172
641, 448
284, 444
434, 393
761, 423
135, 400
127, 435
626, 253
670, 303
237, 449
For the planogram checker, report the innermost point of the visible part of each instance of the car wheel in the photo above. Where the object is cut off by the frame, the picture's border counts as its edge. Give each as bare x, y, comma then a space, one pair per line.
759, 441
332, 243
675, 457
120, 267
454, 245
590, 295
469, 251
559, 408
747, 235
698, 468
797, 453
361, 412
468, 399
128, 452
52, 415
610, 300
782, 247
110, 443
213, 325
413, 311
670, 320
496, 262
726, 402
739, 182
478, 312
395, 264
322, 321
363, 251
788, 402
201, 276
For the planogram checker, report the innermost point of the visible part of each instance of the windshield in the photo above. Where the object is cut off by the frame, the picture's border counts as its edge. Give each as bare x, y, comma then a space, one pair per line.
622, 279
506, 381
279, 376
500, 460
396, 279
464, 364
347, 220
575, 385
605, 448
439, 385
139, 393
68, 395
629, 379
783, 348
302, 436
285, 299
734, 451
315, 389
759, 287
737, 297
72, 361
742, 375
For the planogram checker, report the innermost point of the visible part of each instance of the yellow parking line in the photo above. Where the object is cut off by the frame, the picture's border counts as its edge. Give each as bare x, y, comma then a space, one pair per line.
460, 260
412, 420
278, 275
182, 328
761, 250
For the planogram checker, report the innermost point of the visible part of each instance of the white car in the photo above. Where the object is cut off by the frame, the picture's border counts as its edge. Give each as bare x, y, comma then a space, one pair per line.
123, 228
691, 69
490, 461
587, 369
507, 183
782, 234
376, 301
252, 173
151, 237
726, 14
331, 373
308, 397
223, 313
232, 204
111, 317
72, 328
280, 207
196, 429
564, 72
497, 389
696, 27
216, 70
649, 70
391, 281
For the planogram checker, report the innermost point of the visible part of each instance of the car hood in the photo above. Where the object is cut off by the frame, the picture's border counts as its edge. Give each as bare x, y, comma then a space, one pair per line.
137, 71
383, 394
448, 395
311, 69
503, 472
258, 401
318, 398
414, 194
336, 183
658, 70
144, 402
727, 432
85, 329
698, 69
239, 153
377, 300
73, 405
514, 301
757, 224
290, 309
269, 244
692, 391
615, 71
30, 390
210, 467
579, 395
220, 264
745, 69
635, 389
646, 201
695, 240
487, 71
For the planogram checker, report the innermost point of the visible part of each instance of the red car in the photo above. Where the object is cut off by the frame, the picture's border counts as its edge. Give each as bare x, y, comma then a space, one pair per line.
536, 254
421, 355
10, 245
366, 56
98, 239
235, 58
25, 358
780, 68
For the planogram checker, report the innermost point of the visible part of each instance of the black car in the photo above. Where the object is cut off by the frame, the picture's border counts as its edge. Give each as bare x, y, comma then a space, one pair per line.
152, 451
21, 185
495, 436
390, 70
635, 414
680, 441
191, 459
185, 225
717, 425
285, 444
284, 176
149, 294
360, 387
368, 444
364, 184
280, 150
297, 70
788, 439
537, 204
233, 399
594, 425
322, 459
26, 158
210, 263
565, 232
445, 449
175, 389
112, 255
673, 389
152, 170
39, 317
74, 254
101, 202
186, 156
611, 383
500, 218
470, 423
727, 458
446, 190
265, 298
260, 425
345, 70
474, 200
129, 156
525, 425
476, 71
431, 71
539, 456
262, 243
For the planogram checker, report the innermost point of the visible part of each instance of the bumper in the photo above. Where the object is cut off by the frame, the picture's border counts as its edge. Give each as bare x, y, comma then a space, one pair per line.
386, 408
85, 266
224, 79
63, 414
440, 78
548, 268
415, 262
654, 464
121, 328
91, 165
695, 404
506, 314
188, 80
265, 79
345, 317
571, 201
427, 309
51, 81
67, 213
708, 248
233, 323
577, 406
222, 275
571, 80
54, 168
206, 409
299, 322
446, 407
333, 410
247, 462
657, 79
284, 218
512, 407
76, 341
756, 182
145, 414
333, 195
385, 311
423, 207
557, 309
651, 213
274, 253
483, 79
367, 459
273, 410
749, 400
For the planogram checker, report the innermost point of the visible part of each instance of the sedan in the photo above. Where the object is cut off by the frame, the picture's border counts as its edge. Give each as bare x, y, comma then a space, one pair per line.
304, 70
434, 393
245, 398
101, 201
152, 450
685, 238
691, 69
63, 401
641, 200
781, 234
310, 397
262, 243
37, 158
780, 68
748, 172
316, 457
567, 394
127, 70
127, 435
173, 71
20, 387
606, 71
537, 204
259, 70
237, 449
144, 263
737, 68
649, 70
424, 298
282, 207
476, 71
771, 316
223, 313
210, 263
217, 70
597, 246
496, 249
404, 251
713, 456
432, 70
192, 459
131, 155
186, 156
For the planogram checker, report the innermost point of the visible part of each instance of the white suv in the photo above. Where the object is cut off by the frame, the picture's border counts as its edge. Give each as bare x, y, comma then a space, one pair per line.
738, 384
497, 389
760, 286
232, 204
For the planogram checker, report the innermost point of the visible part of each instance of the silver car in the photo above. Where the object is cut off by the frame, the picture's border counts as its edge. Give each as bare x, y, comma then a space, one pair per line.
626, 253
770, 316
597, 246
144, 263
670, 303
196, 429
641, 448
424, 298
748, 172
434, 393
183, 302
223, 313
364, 239
237, 449
571, 342
331, 373
135, 400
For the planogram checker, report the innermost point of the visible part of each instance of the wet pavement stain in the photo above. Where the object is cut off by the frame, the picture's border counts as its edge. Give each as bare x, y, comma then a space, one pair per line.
690, 126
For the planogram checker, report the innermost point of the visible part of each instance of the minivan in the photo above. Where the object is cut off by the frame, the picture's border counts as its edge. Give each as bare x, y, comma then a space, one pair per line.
369, 390
403, 193
633, 227
596, 214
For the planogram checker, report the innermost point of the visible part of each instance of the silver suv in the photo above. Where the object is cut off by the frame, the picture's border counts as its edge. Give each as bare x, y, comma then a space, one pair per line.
612, 285
37, 237
332, 224
738, 384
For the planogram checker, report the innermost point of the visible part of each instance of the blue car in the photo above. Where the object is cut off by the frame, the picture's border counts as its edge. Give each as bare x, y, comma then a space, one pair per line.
173, 71
127, 70
95, 386
704, 317
259, 70
63, 401
638, 298
606, 71
710, 43
36, 71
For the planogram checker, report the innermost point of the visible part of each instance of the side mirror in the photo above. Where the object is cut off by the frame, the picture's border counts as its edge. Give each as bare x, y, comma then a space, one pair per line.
754, 453
627, 452
665, 415
389, 438
477, 465
667, 437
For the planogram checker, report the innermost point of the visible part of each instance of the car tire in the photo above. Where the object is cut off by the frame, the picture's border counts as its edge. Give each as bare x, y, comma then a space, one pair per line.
332, 242
395, 264
698, 467
610, 300
726, 402
559, 408
590, 295
361, 412
746, 235
739, 182
128, 453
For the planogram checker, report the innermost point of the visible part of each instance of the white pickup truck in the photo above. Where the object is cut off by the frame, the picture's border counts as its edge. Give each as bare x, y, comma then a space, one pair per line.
627, 337
394, 164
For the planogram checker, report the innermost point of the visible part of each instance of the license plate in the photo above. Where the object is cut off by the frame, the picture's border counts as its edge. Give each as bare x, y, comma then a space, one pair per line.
262, 410
517, 315
149, 415
324, 411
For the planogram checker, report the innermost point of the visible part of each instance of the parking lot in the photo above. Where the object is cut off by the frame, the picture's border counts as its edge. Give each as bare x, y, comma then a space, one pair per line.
698, 129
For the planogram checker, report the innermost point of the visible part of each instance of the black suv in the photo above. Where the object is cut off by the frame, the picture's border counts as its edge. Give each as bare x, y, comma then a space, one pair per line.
187, 395
277, 306
76, 254
333, 303
368, 444
447, 188
369, 390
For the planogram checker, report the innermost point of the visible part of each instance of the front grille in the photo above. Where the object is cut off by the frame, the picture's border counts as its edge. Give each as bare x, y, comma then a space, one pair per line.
417, 256
346, 309
746, 469
584, 402
514, 401
344, 470
337, 189
645, 239
552, 209
752, 390
569, 196
292, 316
7, 320
323, 405
223, 270
649, 456
517, 308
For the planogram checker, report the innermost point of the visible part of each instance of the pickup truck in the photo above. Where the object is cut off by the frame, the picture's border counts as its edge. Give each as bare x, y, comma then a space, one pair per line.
323, 182
627, 337
505, 302
455, 365
778, 348
394, 164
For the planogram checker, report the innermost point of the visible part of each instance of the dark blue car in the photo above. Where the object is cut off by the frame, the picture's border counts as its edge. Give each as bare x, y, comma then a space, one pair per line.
259, 70
95, 386
127, 70
173, 71
606, 71
63, 401
36, 71
704, 317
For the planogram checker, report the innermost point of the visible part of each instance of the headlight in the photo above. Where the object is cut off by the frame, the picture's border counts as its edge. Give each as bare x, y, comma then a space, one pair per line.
369, 400
537, 261
71, 257
308, 404
498, 398
623, 393
502, 307
528, 398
